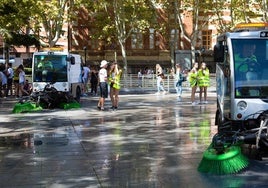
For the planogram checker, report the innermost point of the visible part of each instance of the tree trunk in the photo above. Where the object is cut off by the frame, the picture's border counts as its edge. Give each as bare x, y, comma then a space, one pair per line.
124, 56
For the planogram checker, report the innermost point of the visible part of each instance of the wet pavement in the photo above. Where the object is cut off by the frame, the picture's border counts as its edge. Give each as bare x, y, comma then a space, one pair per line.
152, 141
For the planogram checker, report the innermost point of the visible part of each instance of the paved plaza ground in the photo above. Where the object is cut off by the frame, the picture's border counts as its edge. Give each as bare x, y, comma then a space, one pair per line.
153, 141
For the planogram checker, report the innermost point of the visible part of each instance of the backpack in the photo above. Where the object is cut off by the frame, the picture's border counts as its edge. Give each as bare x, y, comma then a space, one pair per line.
184, 78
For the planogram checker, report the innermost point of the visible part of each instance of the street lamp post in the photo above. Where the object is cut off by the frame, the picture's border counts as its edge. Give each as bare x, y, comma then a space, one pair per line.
85, 51
203, 49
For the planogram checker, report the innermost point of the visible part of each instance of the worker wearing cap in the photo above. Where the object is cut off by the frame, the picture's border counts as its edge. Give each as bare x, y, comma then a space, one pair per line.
103, 84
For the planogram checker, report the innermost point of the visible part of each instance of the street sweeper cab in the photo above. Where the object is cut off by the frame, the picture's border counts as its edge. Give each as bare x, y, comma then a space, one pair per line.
241, 59
58, 69
242, 80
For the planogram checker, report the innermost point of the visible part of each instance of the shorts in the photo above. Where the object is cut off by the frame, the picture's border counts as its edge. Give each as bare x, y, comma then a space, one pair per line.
9, 81
103, 90
21, 83
85, 80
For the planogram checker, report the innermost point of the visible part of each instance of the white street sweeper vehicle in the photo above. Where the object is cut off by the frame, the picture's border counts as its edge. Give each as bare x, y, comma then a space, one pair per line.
241, 59
57, 75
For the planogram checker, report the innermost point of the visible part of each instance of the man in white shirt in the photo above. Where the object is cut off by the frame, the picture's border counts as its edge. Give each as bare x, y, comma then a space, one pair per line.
103, 84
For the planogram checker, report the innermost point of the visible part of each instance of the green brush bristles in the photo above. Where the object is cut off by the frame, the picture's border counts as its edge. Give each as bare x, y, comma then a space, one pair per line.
232, 161
70, 105
32, 107
26, 107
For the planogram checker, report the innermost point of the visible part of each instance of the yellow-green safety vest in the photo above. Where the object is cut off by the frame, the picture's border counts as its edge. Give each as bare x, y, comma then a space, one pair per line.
115, 80
203, 78
192, 78
16, 75
45, 65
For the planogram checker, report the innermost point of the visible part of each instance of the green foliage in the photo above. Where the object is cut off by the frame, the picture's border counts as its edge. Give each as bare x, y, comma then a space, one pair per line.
14, 14
14, 18
116, 19
22, 40
50, 16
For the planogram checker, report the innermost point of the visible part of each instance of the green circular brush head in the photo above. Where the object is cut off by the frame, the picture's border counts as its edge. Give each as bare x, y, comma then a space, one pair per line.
229, 162
70, 105
26, 107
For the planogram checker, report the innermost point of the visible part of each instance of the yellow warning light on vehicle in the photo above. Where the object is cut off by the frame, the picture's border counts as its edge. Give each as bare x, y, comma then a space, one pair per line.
53, 49
251, 26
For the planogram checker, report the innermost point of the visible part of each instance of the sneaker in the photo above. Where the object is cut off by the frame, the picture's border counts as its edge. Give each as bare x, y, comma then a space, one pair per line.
115, 108
102, 109
164, 92
99, 108
157, 93
205, 102
194, 103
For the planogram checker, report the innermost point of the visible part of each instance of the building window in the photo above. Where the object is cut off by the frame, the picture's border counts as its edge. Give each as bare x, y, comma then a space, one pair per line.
206, 38
151, 38
136, 40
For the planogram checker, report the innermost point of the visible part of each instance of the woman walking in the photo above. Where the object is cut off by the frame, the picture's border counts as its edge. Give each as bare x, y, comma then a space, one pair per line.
192, 78
159, 77
178, 80
22, 80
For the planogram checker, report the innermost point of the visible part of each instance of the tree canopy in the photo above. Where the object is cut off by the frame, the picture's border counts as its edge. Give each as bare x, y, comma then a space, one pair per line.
22, 22
14, 18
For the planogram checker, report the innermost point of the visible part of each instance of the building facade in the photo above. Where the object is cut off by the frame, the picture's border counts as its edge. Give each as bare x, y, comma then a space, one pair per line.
143, 50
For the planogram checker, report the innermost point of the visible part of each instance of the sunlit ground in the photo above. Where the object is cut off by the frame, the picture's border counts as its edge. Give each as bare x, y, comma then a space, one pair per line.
151, 141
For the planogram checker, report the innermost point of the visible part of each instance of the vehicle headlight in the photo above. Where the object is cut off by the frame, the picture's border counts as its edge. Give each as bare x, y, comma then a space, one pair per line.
242, 105
64, 84
35, 84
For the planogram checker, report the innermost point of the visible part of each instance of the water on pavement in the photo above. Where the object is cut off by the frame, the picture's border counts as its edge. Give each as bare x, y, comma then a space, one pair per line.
150, 141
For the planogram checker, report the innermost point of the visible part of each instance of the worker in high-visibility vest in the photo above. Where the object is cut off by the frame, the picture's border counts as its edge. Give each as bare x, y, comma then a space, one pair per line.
45, 67
114, 82
192, 79
246, 64
203, 81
